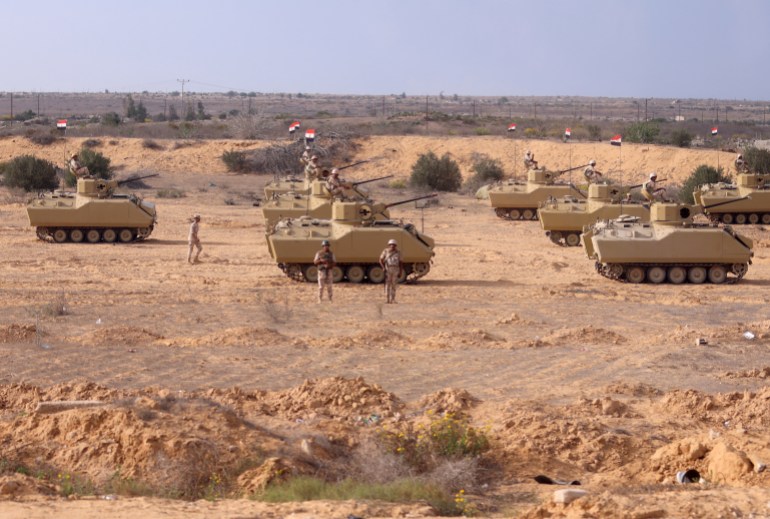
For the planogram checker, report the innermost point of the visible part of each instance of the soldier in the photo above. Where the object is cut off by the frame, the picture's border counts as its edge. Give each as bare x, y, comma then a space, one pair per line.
390, 261
305, 158
650, 189
312, 171
336, 186
77, 168
325, 261
529, 160
740, 164
193, 240
591, 174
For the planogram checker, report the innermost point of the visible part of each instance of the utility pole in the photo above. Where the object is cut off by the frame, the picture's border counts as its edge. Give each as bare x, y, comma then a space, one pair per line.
11, 105
183, 81
645, 109
38, 105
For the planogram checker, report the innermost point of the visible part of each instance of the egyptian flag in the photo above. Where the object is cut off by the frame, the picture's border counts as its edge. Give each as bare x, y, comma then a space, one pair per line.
512, 127
61, 124
293, 126
310, 135
714, 130
616, 140
567, 133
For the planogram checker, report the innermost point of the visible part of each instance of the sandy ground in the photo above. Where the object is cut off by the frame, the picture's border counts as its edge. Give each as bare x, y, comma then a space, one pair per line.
575, 376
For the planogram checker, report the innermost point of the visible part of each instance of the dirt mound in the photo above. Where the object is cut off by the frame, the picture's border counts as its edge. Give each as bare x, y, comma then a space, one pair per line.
747, 409
336, 397
366, 339
241, 336
129, 335
474, 338
15, 486
750, 373
17, 333
586, 335
456, 401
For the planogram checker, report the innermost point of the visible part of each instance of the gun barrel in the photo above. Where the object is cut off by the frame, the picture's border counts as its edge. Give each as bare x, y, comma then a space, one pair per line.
352, 165
370, 180
434, 195
570, 169
711, 206
134, 179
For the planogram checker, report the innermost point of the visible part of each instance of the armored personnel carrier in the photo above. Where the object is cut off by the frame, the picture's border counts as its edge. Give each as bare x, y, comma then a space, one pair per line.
93, 213
670, 247
357, 238
299, 186
746, 201
517, 200
316, 204
563, 219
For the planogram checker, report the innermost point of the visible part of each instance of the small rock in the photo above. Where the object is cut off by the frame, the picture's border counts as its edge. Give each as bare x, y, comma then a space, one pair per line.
568, 495
700, 341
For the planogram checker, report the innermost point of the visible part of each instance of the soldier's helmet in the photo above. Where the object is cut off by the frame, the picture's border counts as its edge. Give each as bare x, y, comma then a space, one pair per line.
325, 243
740, 156
592, 162
653, 176
196, 217
335, 172
392, 242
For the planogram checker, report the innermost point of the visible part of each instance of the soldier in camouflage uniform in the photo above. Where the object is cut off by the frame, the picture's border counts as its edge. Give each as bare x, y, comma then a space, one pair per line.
193, 240
529, 160
390, 261
312, 170
591, 174
325, 261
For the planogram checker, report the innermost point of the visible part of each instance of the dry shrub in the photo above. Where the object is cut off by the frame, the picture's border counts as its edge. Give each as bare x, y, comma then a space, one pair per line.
455, 474
42, 139
170, 193
371, 463
95, 143
151, 145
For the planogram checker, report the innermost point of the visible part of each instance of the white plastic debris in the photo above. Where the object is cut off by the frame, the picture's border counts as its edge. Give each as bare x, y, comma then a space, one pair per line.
568, 495
748, 335
99, 321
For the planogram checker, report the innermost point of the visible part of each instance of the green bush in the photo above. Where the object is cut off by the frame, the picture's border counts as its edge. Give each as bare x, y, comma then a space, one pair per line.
236, 161
703, 174
30, 174
111, 119
594, 132
644, 132
170, 193
681, 138
98, 166
441, 174
486, 170
758, 160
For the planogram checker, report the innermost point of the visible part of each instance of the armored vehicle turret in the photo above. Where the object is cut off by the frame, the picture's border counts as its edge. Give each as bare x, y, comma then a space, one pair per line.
670, 247
515, 200
316, 204
93, 213
563, 219
745, 201
357, 236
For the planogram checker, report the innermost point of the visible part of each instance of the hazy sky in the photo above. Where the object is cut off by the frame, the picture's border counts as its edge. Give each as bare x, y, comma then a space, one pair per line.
620, 48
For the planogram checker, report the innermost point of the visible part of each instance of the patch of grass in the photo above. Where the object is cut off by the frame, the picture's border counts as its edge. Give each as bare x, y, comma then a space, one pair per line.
399, 183
170, 193
94, 143
151, 145
229, 201
56, 307
42, 139
305, 488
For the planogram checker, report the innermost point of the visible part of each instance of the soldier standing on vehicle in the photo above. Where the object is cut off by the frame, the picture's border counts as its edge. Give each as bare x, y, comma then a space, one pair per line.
390, 261
591, 174
650, 188
77, 168
336, 186
312, 171
305, 158
529, 160
740, 164
325, 261
193, 240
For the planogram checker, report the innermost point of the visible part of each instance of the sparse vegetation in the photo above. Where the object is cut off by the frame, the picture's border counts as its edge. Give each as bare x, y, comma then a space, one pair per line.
151, 145
703, 174
681, 138
642, 132
486, 170
758, 160
98, 166
42, 139
236, 161
170, 193
111, 119
30, 174
442, 174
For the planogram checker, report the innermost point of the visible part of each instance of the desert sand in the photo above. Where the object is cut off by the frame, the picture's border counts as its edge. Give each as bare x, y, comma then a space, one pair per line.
573, 375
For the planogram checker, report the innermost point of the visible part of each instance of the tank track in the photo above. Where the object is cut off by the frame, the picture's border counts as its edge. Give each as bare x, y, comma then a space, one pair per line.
516, 213
414, 271
565, 238
740, 218
618, 271
92, 235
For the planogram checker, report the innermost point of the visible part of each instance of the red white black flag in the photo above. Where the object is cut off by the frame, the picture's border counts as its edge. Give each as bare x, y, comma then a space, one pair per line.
616, 140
